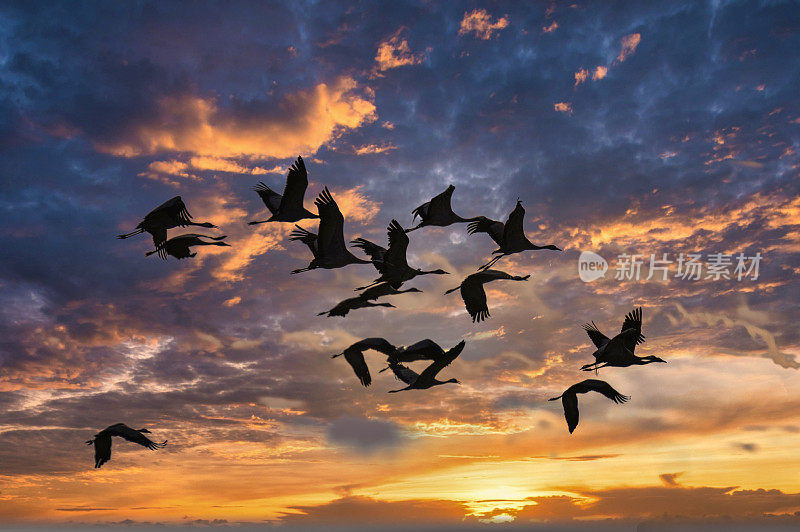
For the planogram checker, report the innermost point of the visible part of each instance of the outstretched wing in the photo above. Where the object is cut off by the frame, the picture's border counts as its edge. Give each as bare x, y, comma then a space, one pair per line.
306, 237
331, 226
174, 209
296, 185
441, 202
377, 291
135, 436
403, 373
594, 385
633, 320
513, 233
270, 198
378, 344
102, 450
375, 252
599, 339
421, 211
439, 364
423, 350
398, 244
474, 297
570, 403
356, 360
493, 228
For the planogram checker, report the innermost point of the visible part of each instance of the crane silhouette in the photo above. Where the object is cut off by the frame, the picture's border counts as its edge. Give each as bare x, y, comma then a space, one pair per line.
289, 206
473, 294
423, 350
328, 247
102, 441
392, 263
426, 379
438, 212
352, 303
509, 236
179, 246
569, 399
170, 214
354, 355
385, 289
618, 351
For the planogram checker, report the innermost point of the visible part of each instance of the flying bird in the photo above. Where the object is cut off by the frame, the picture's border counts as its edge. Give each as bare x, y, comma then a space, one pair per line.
328, 246
385, 289
168, 215
102, 441
391, 263
438, 212
354, 355
423, 350
180, 246
569, 399
289, 207
352, 303
618, 351
426, 379
509, 236
473, 294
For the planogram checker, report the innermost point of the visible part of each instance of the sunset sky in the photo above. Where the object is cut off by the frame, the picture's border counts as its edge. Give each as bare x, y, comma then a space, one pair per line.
636, 128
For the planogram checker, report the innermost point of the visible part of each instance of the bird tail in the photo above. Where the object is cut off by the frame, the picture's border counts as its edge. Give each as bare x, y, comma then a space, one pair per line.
132, 233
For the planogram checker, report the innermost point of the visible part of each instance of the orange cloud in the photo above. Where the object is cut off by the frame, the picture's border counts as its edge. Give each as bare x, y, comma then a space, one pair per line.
629, 44
551, 28
563, 107
371, 149
599, 72
307, 120
581, 76
480, 22
395, 52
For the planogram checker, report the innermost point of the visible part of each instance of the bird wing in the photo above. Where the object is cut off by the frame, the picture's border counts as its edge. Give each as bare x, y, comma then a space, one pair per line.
398, 244
331, 226
407, 375
306, 237
474, 297
271, 199
423, 350
356, 360
599, 339
513, 231
135, 436
174, 208
375, 252
379, 290
633, 320
378, 344
441, 202
438, 364
159, 236
421, 211
570, 403
102, 449
486, 225
296, 185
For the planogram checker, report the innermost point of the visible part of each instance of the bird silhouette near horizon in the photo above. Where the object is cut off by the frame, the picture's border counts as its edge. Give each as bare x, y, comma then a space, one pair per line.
569, 399
289, 206
618, 351
426, 379
354, 355
510, 237
391, 263
102, 441
474, 295
328, 246
438, 212
180, 246
170, 214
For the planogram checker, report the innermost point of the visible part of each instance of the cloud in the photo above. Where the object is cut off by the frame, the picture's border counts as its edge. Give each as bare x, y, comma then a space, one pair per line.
479, 22
395, 52
371, 149
599, 73
365, 435
629, 44
301, 123
366, 510
670, 479
563, 107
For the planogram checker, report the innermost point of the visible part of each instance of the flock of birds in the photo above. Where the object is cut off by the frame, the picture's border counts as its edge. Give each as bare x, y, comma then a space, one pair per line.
329, 251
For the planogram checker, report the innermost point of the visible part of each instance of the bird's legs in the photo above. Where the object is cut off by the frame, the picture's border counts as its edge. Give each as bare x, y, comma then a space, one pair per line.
588, 367
491, 262
135, 232
301, 270
373, 283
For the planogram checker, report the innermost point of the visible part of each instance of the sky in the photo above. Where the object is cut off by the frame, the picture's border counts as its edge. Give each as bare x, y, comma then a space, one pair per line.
626, 130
